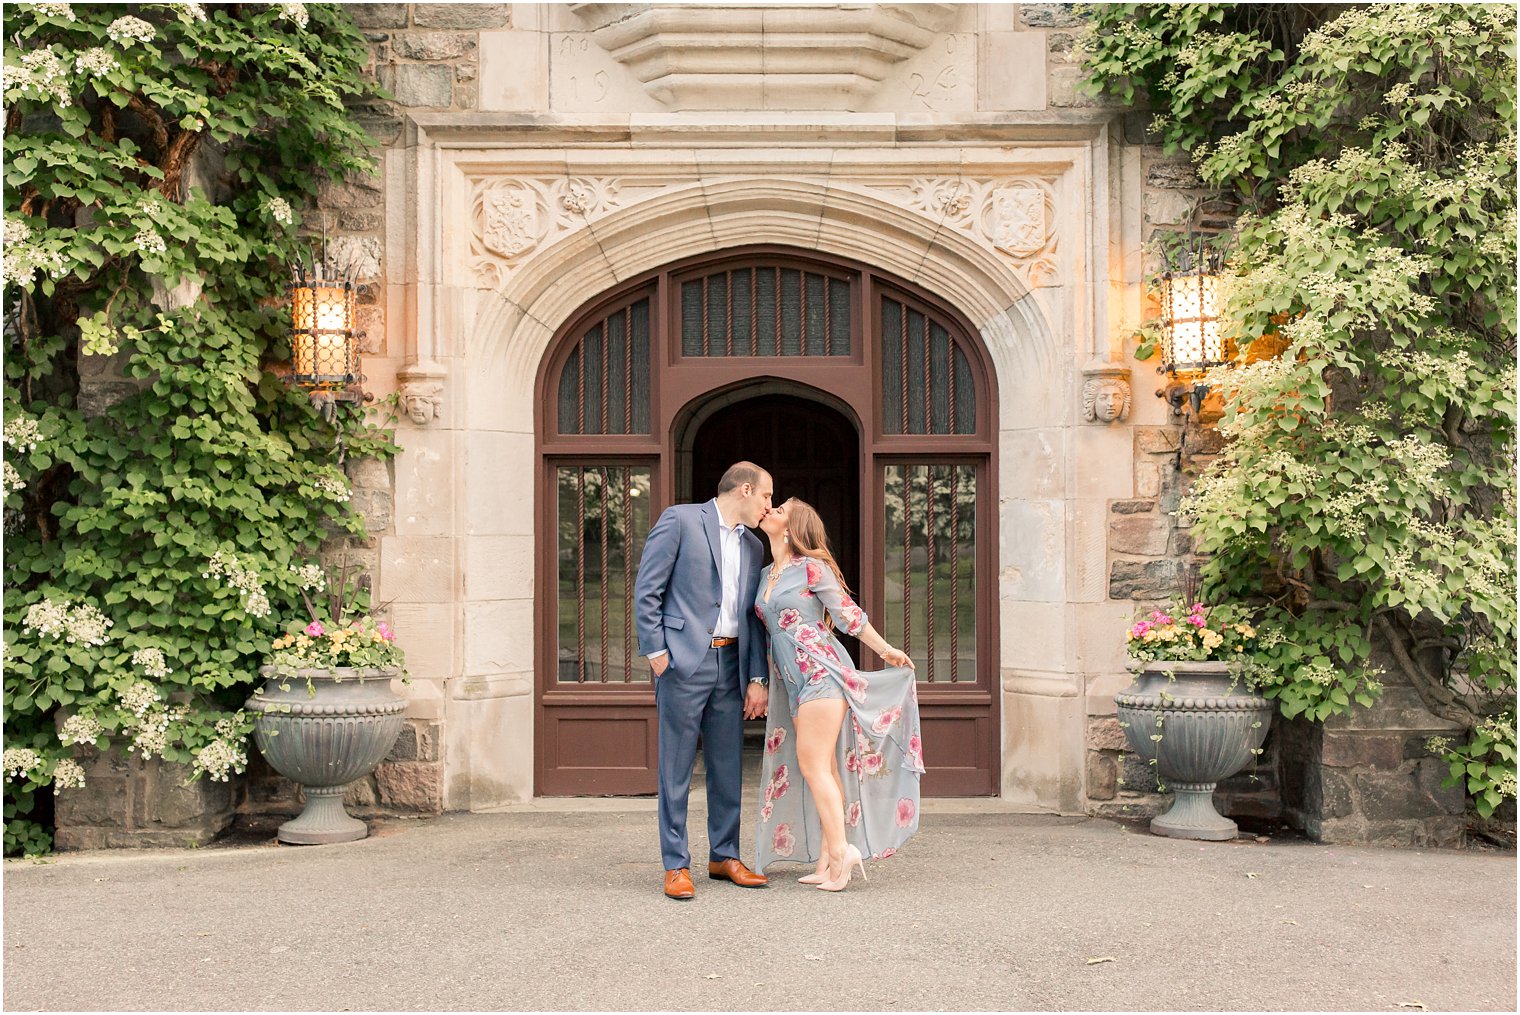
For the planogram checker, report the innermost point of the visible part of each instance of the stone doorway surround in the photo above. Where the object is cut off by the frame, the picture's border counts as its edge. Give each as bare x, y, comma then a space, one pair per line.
502, 225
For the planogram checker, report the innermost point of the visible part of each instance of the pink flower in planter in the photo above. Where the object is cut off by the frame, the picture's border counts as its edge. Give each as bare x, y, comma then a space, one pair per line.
906, 809
315, 629
385, 631
783, 842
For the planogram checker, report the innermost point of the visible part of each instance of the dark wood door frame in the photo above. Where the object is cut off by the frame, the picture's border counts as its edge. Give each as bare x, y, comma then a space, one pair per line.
679, 387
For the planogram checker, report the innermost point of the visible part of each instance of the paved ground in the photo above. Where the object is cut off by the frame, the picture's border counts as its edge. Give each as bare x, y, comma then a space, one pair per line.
539, 908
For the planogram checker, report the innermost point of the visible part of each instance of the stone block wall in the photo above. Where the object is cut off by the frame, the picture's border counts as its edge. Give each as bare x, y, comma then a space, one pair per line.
130, 803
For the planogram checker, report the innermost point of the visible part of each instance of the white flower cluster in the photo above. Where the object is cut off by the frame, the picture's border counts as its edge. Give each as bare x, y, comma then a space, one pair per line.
152, 662
80, 624
139, 699
220, 758
67, 774
42, 73
246, 581
22, 260
296, 14
10, 481
55, 10
20, 762
279, 209
195, 11
128, 27
149, 242
152, 736
79, 729
22, 434
311, 577
331, 486
95, 62
227, 728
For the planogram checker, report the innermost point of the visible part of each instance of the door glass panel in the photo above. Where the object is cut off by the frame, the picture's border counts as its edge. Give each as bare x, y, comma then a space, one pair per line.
925, 376
930, 582
603, 521
765, 311
604, 384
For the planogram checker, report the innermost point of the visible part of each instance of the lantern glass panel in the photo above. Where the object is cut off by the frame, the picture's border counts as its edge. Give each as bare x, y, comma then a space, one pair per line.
1191, 337
322, 342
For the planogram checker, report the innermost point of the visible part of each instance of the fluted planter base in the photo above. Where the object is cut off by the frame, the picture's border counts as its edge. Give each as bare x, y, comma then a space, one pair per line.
324, 730
323, 821
1192, 815
1197, 725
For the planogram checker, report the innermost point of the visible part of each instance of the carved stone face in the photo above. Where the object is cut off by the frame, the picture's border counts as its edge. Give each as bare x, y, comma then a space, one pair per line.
1108, 403
1105, 400
419, 408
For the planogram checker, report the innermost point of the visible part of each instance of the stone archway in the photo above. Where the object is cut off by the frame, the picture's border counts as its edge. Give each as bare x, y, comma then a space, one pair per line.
488, 339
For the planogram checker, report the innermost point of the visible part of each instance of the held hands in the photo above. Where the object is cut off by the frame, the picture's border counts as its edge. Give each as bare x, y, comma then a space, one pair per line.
896, 657
756, 701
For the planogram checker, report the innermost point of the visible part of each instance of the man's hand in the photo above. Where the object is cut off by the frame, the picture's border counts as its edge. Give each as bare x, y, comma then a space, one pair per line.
659, 664
756, 701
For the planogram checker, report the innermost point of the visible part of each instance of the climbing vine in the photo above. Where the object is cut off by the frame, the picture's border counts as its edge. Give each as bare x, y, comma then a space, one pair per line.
165, 490
1365, 499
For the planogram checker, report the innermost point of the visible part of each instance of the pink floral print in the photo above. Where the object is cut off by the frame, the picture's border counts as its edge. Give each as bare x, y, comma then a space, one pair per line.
775, 740
783, 842
767, 810
886, 720
852, 815
873, 764
787, 618
814, 572
856, 686
916, 751
906, 809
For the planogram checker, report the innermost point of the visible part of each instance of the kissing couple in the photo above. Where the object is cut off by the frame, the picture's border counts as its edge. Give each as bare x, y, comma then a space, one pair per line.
728, 641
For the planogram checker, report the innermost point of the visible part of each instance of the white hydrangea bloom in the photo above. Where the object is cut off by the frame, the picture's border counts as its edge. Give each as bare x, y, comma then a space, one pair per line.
21, 259
332, 486
152, 662
22, 433
220, 758
194, 11
279, 209
55, 10
149, 242
41, 73
242, 578
311, 577
139, 698
68, 774
87, 626
11, 481
294, 13
47, 619
17, 231
20, 762
95, 62
152, 737
128, 27
79, 729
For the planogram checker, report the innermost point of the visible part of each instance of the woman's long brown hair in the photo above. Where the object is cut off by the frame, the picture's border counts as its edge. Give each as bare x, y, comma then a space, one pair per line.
809, 537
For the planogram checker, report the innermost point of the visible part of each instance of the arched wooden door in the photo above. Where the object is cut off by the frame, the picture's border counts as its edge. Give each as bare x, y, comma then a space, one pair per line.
772, 333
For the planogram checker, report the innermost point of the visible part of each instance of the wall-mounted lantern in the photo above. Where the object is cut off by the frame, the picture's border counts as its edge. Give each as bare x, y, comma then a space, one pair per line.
1192, 340
324, 345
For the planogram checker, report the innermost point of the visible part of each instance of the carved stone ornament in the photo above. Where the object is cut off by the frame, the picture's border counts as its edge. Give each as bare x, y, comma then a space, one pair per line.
509, 220
1105, 394
1018, 220
513, 217
421, 392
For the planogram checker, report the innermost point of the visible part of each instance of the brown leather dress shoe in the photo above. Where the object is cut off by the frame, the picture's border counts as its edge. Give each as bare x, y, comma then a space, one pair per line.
678, 884
735, 871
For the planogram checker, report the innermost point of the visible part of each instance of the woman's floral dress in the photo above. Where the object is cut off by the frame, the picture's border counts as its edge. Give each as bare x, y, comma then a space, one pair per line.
880, 746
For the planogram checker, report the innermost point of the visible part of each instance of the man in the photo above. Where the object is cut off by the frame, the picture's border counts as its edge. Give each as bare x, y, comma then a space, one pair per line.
695, 603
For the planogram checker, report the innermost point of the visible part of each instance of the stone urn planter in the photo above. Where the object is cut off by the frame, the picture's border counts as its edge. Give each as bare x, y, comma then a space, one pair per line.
324, 729
1199, 724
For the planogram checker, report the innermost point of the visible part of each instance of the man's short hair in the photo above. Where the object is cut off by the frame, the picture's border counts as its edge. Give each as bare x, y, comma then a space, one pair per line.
740, 473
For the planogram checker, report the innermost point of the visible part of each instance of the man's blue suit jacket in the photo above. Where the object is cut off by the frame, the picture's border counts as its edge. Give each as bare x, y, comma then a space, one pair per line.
678, 591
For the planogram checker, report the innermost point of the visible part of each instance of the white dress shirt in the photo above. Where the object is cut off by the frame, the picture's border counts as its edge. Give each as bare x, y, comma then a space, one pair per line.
728, 610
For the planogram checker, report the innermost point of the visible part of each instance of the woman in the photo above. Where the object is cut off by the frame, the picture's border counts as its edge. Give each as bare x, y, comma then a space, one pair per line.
816, 694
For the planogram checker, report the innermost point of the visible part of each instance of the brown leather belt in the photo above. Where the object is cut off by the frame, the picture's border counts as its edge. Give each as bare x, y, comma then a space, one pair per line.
724, 642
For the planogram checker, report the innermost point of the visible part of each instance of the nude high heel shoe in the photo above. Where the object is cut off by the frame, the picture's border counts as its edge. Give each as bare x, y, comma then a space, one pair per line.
815, 878
852, 859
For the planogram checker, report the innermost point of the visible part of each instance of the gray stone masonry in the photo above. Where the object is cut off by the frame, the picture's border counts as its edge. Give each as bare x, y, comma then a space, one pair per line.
127, 802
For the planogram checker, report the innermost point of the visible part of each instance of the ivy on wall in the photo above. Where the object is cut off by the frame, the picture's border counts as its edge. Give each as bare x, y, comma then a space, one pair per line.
163, 486
1365, 498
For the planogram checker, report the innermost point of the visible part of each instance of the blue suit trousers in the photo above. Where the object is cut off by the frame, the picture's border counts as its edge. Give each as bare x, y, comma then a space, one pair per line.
707, 703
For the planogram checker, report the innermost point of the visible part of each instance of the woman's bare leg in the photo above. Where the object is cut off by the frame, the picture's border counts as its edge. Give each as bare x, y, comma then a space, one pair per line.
818, 724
